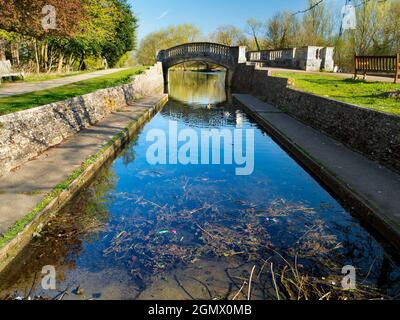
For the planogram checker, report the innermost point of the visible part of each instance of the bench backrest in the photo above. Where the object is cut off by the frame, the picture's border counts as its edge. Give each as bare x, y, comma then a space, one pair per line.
5, 67
388, 64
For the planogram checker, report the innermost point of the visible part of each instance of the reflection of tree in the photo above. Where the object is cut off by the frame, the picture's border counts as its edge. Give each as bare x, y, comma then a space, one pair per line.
199, 99
62, 239
197, 87
128, 155
200, 117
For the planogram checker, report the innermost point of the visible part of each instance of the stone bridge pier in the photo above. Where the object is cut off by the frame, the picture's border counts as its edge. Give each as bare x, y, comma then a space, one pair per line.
212, 53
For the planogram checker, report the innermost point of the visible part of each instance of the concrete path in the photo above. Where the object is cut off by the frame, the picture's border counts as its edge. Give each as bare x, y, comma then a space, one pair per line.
339, 75
375, 185
12, 89
21, 190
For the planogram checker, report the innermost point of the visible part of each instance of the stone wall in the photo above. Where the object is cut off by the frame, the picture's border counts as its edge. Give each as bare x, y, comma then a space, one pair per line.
372, 133
26, 134
308, 58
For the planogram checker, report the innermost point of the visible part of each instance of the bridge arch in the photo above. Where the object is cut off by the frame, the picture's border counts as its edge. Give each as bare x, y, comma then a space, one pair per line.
213, 53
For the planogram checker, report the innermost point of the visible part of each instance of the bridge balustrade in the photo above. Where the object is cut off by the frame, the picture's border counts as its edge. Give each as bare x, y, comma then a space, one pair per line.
197, 48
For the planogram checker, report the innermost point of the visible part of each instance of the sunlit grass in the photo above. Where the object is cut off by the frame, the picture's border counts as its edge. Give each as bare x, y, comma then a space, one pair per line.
362, 93
36, 77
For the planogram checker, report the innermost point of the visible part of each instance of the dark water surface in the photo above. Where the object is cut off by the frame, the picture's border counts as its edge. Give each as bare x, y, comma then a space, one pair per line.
142, 231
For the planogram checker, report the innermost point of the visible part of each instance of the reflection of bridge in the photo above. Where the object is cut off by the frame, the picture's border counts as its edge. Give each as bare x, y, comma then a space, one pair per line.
213, 53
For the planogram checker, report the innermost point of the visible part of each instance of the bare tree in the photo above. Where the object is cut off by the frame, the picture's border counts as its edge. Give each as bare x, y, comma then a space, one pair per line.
229, 35
253, 28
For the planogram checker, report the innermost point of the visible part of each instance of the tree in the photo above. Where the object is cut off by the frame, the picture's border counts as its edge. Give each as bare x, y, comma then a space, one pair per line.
25, 17
108, 30
229, 35
124, 39
253, 29
164, 39
317, 24
282, 31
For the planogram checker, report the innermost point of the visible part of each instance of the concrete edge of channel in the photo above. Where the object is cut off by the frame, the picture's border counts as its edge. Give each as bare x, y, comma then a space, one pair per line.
357, 204
19, 242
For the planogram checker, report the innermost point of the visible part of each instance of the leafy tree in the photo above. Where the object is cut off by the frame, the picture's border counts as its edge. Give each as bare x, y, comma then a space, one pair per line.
316, 25
282, 31
164, 39
124, 39
25, 17
230, 36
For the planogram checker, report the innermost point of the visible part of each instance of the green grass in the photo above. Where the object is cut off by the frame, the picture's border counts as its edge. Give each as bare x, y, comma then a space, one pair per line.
38, 98
37, 77
362, 93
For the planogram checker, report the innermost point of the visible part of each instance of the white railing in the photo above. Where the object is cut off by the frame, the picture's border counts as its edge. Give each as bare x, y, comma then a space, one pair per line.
196, 48
271, 55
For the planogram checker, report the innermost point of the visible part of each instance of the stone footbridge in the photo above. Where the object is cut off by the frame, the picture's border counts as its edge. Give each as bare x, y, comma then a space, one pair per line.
212, 53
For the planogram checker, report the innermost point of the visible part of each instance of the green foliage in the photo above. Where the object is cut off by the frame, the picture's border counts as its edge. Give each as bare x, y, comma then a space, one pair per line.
124, 39
93, 63
372, 95
164, 39
230, 36
126, 60
103, 30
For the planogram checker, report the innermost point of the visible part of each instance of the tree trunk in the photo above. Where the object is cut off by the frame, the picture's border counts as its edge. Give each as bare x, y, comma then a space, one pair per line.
2, 49
45, 56
60, 62
37, 57
15, 52
70, 61
256, 41
82, 65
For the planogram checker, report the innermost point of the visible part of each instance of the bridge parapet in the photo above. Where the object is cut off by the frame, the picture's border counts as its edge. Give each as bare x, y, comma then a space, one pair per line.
213, 53
210, 52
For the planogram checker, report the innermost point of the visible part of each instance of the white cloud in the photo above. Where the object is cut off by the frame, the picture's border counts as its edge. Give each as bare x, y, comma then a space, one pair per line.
163, 15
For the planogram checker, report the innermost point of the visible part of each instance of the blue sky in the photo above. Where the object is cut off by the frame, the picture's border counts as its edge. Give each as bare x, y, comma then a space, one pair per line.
208, 14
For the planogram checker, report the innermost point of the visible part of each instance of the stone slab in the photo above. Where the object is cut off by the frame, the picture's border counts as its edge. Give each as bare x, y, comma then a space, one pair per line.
375, 185
22, 189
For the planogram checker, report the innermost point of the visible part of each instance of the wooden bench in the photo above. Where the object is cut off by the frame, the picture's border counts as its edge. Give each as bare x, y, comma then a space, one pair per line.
6, 71
383, 64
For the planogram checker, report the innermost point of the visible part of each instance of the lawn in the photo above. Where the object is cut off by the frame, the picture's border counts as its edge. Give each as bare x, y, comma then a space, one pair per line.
36, 77
38, 98
368, 94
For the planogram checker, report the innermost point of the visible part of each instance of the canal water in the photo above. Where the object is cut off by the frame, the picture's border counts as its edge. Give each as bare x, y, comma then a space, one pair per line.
198, 231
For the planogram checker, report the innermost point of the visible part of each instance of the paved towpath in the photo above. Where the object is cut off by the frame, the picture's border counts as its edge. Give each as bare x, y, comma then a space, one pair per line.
374, 184
21, 190
11, 89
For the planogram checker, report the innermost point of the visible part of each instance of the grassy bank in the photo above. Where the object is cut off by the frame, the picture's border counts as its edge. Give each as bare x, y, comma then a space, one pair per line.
38, 98
372, 95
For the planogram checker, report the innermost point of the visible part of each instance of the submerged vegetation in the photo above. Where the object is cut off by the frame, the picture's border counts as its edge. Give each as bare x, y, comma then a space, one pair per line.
208, 237
168, 237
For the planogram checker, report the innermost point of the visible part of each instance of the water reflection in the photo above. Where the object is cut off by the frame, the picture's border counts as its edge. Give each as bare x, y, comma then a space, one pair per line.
206, 88
196, 232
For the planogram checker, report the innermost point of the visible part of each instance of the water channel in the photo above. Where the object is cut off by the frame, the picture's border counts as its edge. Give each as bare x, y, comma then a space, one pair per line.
198, 231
